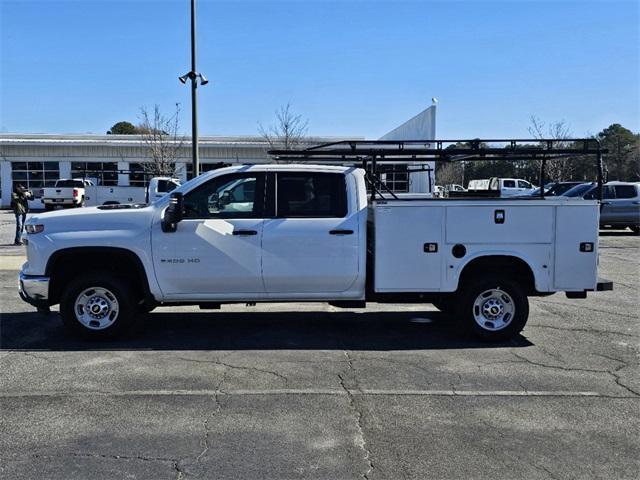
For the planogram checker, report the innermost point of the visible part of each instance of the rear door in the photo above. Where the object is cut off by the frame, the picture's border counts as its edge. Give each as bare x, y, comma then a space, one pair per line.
509, 188
608, 196
311, 244
625, 208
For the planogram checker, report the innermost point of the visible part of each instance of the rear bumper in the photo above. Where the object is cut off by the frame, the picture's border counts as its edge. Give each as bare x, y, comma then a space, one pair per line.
604, 285
34, 290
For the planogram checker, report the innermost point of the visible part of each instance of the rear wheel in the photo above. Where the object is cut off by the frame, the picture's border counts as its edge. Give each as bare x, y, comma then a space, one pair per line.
493, 308
98, 306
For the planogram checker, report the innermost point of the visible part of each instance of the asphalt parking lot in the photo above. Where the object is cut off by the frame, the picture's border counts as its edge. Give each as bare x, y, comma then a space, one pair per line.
286, 391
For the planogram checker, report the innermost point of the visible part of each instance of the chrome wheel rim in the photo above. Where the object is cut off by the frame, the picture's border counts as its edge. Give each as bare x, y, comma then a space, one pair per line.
493, 309
96, 308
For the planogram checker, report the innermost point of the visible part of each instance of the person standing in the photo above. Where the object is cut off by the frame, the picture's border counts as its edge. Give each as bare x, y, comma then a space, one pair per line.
20, 205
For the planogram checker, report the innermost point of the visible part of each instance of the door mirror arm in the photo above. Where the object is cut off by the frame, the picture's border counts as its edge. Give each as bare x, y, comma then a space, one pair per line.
173, 213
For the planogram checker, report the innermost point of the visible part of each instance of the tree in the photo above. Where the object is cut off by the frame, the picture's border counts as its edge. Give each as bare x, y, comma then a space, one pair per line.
556, 169
288, 132
623, 159
123, 128
160, 134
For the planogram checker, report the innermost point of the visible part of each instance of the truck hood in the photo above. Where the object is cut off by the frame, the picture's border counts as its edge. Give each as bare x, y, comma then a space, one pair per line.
94, 218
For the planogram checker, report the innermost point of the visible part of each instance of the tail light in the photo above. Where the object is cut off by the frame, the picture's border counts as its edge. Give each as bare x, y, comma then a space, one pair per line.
75, 193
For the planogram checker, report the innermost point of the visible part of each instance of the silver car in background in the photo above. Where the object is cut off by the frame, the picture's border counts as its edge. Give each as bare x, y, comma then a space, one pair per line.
620, 203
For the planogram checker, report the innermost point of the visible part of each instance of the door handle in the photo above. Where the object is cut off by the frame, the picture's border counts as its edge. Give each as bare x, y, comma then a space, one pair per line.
245, 232
341, 232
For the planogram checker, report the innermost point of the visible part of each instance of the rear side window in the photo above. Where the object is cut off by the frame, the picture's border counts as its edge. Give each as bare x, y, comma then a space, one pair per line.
626, 191
509, 184
311, 195
166, 186
607, 193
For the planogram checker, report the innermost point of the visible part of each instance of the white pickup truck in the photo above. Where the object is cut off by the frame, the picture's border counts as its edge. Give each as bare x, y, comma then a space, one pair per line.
65, 193
80, 192
307, 233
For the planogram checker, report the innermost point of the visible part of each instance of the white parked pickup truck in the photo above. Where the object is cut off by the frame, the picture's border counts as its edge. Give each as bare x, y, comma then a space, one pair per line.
66, 193
84, 193
305, 233
114, 195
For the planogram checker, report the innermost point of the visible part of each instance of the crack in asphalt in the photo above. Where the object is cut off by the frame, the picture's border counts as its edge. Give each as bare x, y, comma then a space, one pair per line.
614, 373
238, 367
517, 458
217, 410
360, 441
585, 307
175, 463
582, 329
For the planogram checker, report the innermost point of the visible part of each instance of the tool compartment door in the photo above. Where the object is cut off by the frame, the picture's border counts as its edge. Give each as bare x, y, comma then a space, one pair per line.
576, 270
499, 223
401, 262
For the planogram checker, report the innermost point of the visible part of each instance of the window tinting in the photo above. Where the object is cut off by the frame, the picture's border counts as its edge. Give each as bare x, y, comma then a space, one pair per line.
227, 196
311, 195
625, 191
509, 184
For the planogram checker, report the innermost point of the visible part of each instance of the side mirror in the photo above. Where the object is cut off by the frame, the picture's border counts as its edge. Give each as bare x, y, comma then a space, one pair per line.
173, 213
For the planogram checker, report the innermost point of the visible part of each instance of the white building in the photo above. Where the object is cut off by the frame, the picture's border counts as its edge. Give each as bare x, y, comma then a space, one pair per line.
38, 160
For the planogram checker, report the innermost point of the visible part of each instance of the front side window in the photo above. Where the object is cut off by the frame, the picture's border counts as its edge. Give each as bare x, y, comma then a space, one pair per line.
523, 184
228, 196
311, 195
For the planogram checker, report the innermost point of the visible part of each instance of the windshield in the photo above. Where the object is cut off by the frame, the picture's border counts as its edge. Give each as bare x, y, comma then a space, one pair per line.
561, 188
578, 190
69, 184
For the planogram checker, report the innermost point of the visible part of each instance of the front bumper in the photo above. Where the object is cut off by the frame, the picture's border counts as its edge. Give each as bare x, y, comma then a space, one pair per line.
34, 290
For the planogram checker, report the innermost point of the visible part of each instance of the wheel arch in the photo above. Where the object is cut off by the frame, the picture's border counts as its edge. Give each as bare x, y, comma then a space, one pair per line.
512, 265
64, 264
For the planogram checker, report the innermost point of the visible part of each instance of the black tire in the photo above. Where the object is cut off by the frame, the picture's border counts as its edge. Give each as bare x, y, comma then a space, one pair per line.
474, 300
124, 305
48, 207
635, 229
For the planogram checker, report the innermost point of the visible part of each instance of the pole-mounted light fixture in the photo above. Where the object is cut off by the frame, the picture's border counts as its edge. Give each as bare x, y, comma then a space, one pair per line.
194, 76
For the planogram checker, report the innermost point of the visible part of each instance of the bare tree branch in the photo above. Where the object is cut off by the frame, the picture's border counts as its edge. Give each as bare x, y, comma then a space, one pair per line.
164, 144
555, 169
288, 132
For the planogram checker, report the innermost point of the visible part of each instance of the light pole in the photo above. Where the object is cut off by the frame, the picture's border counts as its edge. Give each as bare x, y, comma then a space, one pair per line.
193, 75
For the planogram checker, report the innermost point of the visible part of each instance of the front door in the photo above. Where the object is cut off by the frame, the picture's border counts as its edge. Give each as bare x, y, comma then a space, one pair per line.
216, 249
311, 246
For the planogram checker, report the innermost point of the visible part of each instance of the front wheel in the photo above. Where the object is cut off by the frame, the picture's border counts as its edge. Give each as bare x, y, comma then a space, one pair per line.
493, 308
97, 306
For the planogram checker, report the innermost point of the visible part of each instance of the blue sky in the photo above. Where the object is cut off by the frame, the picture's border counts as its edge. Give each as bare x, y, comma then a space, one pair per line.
350, 67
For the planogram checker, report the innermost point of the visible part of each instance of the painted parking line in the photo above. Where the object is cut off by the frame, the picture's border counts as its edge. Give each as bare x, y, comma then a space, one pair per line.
11, 262
309, 392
